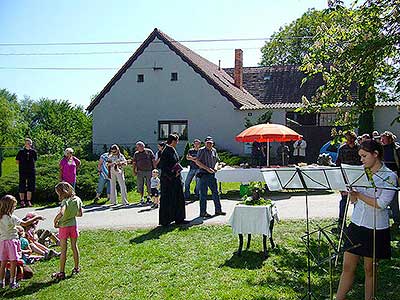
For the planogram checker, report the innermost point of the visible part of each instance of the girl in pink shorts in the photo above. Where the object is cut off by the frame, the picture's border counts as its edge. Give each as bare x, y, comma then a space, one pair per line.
10, 246
65, 221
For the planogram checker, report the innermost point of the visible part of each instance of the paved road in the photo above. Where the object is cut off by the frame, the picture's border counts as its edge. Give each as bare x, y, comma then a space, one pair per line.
106, 217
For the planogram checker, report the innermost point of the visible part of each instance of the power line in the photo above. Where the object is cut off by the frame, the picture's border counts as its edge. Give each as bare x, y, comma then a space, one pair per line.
137, 42
63, 69
110, 52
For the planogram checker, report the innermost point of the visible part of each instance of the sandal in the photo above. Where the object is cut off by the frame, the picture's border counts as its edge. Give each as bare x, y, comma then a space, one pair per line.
30, 204
58, 276
75, 271
22, 203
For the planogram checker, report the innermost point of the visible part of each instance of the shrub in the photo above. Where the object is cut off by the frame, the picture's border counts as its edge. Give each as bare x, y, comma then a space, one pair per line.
184, 161
230, 159
47, 176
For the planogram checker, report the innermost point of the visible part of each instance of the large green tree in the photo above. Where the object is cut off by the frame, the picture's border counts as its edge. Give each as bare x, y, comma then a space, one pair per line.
9, 124
52, 124
57, 124
291, 43
6, 121
361, 46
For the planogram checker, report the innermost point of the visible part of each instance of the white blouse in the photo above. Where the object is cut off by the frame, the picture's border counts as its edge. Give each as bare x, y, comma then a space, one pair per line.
363, 214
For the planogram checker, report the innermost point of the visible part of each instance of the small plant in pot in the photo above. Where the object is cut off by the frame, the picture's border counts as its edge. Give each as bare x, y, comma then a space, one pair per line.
255, 199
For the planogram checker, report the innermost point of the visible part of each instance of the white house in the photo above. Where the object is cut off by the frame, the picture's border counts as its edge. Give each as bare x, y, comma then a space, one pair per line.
165, 87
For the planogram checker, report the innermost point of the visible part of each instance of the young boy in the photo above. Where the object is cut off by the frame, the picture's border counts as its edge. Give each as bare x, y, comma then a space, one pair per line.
155, 188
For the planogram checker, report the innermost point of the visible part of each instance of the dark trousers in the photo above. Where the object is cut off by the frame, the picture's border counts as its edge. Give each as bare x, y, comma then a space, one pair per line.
209, 181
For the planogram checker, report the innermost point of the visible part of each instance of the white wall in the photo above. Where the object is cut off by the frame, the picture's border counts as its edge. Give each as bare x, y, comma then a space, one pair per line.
130, 111
383, 117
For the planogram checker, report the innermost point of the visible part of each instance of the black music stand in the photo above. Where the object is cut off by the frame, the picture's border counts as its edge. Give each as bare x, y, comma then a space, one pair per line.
307, 178
357, 177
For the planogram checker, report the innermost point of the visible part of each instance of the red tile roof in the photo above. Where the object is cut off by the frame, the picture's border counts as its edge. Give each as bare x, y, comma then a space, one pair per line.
214, 75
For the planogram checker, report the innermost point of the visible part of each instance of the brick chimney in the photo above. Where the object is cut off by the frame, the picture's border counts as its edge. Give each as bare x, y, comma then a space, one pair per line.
238, 72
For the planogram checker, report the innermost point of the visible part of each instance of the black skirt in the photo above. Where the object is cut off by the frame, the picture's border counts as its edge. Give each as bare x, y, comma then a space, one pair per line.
359, 241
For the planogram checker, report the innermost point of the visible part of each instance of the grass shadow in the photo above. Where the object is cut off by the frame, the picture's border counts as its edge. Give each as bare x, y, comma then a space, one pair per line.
28, 290
249, 260
194, 222
153, 234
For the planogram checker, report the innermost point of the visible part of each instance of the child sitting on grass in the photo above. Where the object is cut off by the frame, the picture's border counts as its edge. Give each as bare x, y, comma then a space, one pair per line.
26, 250
47, 238
155, 188
10, 246
32, 237
71, 207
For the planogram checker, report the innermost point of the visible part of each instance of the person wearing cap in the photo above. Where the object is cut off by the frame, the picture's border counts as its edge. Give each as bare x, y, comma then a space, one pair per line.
207, 160
26, 159
376, 136
193, 169
365, 137
347, 154
143, 163
391, 158
69, 164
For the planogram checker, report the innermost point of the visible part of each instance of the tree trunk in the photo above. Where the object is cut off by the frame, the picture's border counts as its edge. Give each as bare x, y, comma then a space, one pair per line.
367, 101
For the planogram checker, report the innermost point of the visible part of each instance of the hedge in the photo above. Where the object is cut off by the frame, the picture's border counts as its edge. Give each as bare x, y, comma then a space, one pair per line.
47, 174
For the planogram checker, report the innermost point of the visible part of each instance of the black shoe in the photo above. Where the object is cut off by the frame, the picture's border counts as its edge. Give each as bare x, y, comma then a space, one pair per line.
182, 222
205, 215
220, 213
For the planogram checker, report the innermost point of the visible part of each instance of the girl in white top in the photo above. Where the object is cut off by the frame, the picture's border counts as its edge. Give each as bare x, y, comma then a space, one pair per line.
10, 246
367, 202
116, 162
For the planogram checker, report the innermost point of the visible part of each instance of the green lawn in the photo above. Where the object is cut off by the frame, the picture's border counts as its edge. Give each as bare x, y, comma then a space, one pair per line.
193, 263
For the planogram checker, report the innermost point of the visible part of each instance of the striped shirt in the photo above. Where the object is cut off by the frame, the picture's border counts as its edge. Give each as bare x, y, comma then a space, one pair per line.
104, 169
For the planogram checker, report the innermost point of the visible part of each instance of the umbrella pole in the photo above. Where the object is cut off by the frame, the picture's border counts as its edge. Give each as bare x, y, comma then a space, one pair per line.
267, 153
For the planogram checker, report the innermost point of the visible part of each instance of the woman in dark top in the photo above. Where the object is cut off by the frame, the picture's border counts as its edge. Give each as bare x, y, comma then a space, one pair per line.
172, 203
26, 159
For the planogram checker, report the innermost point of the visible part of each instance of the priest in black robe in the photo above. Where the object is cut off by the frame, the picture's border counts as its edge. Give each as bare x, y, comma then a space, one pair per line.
172, 202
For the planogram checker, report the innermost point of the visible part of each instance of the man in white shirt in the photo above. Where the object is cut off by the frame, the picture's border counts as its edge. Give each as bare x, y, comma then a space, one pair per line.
299, 151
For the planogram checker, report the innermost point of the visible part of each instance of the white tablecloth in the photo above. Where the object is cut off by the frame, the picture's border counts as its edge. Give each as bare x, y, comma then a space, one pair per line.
229, 174
247, 219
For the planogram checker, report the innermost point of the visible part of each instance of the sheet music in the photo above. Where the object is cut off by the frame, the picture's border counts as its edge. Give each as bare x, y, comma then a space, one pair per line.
278, 179
356, 176
336, 179
325, 178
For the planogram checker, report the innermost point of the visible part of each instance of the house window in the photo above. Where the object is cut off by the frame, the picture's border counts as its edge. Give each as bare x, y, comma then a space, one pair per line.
327, 119
174, 76
178, 127
140, 78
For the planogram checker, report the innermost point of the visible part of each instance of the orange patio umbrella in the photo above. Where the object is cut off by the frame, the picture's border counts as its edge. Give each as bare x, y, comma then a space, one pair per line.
266, 133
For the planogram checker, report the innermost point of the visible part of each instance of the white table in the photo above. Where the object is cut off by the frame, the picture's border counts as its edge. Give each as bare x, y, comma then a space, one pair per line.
229, 174
249, 220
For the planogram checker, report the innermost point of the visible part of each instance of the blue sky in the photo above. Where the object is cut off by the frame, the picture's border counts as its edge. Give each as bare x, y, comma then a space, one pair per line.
49, 21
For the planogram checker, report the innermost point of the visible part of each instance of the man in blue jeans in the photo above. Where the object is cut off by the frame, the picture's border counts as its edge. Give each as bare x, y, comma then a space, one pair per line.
207, 160
193, 169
